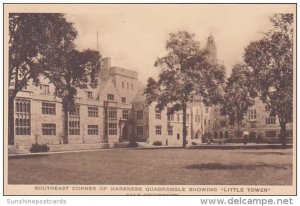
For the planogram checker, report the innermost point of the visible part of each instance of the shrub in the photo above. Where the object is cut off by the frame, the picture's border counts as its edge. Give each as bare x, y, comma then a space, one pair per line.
133, 144
157, 143
238, 134
194, 143
39, 148
245, 139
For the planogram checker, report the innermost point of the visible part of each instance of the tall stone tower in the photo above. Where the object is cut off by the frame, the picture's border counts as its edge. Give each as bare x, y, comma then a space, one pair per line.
104, 72
211, 49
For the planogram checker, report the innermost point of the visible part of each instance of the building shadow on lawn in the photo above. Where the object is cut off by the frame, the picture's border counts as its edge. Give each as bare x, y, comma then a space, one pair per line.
219, 166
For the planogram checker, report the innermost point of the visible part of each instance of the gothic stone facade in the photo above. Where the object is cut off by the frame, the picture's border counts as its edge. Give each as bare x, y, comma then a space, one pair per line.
115, 111
258, 124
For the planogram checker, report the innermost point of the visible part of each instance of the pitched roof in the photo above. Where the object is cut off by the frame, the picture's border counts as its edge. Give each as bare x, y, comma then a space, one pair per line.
140, 97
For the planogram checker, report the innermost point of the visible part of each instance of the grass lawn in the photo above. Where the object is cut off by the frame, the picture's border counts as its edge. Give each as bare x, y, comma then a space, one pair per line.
156, 167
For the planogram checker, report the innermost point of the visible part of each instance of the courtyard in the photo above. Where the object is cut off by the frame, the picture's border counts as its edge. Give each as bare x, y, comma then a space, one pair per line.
156, 167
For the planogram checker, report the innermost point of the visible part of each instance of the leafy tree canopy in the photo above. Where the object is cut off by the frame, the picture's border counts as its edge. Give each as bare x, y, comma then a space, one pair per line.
34, 42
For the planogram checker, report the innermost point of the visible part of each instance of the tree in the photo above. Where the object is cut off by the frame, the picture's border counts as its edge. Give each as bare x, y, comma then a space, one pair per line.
186, 77
34, 42
238, 95
271, 61
75, 70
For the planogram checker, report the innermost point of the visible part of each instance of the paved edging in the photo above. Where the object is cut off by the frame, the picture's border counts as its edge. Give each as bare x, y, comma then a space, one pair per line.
222, 147
86, 150
252, 146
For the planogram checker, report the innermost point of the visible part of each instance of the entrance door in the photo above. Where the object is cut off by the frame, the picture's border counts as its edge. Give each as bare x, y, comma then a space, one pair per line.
125, 133
252, 137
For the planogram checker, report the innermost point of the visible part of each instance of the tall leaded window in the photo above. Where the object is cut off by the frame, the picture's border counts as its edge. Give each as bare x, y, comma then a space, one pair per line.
112, 128
74, 121
111, 121
111, 97
157, 113
158, 129
140, 130
92, 129
93, 111
170, 130
22, 117
252, 113
48, 129
125, 114
271, 120
112, 113
48, 108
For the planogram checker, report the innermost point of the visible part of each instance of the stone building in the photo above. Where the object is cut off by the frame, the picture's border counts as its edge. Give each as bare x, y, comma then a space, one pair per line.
151, 125
114, 111
258, 124
101, 115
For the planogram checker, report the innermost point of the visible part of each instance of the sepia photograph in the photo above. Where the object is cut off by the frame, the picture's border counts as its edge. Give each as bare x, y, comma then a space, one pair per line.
149, 99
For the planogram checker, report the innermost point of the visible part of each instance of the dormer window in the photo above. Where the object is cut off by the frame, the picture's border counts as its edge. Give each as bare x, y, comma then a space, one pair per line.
111, 97
45, 88
89, 95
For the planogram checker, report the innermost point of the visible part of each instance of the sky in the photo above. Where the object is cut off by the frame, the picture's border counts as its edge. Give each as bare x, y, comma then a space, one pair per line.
134, 36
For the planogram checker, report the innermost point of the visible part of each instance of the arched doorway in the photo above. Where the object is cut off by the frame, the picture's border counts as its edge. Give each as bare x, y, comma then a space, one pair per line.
125, 133
197, 134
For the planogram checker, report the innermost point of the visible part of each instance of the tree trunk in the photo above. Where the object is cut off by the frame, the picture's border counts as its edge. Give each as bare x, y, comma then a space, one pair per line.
184, 126
66, 127
239, 128
283, 133
11, 121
